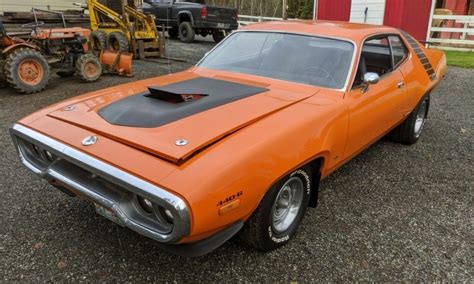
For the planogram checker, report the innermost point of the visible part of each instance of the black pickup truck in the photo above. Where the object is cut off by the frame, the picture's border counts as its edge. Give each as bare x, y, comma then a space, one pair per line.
188, 18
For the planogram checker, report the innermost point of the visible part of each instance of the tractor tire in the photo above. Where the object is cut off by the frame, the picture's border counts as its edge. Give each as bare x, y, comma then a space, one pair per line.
98, 40
117, 41
186, 32
26, 70
218, 35
88, 68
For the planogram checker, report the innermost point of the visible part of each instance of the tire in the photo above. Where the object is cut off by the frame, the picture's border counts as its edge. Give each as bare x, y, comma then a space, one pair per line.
117, 41
263, 230
88, 68
186, 32
173, 33
218, 35
410, 130
98, 40
26, 70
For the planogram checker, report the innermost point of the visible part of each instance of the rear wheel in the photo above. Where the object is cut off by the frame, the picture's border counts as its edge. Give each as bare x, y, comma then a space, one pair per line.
88, 68
280, 212
26, 70
410, 130
218, 35
117, 41
186, 32
98, 40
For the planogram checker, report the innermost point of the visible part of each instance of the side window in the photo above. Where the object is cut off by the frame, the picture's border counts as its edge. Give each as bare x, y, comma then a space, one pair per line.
399, 50
375, 57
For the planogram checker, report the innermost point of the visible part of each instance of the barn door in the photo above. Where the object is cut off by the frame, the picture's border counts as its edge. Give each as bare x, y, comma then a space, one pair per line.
367, 11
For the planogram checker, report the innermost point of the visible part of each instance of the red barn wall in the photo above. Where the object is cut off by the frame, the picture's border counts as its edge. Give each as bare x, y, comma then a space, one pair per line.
333, 10
408, 15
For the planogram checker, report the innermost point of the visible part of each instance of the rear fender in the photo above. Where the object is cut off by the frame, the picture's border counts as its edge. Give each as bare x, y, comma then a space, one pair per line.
11, 48
186, 14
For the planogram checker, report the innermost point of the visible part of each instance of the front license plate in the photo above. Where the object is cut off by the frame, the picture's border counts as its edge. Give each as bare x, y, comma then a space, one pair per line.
107, 213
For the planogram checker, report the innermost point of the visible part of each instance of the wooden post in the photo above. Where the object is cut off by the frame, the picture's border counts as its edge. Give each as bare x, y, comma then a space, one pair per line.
430, 21
285, 9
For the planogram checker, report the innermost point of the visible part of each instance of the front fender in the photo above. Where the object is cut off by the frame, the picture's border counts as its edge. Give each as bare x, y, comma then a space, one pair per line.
247, 163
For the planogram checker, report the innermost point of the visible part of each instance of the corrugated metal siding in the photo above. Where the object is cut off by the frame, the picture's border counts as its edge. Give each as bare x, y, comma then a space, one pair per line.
333, 10
26, 5
408, 15
375, 11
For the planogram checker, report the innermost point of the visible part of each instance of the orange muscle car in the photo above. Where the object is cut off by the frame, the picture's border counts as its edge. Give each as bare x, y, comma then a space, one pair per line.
239, 142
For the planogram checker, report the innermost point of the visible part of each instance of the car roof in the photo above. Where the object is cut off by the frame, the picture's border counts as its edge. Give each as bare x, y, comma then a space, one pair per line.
344, 30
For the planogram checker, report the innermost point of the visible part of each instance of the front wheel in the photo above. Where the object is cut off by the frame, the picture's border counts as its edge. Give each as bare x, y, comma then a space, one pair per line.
280, 212
88, 68
410, 130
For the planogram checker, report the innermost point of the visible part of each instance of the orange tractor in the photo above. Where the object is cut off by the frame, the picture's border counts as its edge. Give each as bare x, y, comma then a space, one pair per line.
26, 64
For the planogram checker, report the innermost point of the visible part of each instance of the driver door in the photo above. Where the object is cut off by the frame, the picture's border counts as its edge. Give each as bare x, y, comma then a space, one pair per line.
374, 109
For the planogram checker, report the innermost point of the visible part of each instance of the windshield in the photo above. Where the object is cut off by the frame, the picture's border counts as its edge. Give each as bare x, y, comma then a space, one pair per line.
297, 58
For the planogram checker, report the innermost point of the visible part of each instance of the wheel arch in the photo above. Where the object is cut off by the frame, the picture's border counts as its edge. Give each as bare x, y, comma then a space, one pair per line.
316, 164
185, 16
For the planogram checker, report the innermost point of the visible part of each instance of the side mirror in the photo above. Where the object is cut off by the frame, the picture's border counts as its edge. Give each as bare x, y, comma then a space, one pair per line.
371, 78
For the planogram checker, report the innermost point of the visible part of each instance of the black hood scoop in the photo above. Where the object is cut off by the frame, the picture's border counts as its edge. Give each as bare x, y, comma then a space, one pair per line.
165, 104
171, 97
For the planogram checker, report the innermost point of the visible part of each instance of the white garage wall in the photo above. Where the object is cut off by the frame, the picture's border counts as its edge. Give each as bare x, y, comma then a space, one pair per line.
26, 5
375, 12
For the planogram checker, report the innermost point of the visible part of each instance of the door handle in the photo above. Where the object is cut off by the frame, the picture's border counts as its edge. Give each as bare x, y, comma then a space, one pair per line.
400, 84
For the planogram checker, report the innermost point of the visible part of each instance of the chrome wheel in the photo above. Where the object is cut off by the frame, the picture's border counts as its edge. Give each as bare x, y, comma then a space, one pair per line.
287, 204
420, 119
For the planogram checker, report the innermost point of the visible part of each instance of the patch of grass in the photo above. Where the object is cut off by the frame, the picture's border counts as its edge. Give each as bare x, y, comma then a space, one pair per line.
460, 58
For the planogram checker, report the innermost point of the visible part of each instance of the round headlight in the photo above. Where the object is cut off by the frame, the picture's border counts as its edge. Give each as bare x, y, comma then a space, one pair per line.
145, 204
167, 215
49, 156
36, 149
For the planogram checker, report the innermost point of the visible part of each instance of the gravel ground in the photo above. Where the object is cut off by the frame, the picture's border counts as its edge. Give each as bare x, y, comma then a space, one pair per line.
393, 213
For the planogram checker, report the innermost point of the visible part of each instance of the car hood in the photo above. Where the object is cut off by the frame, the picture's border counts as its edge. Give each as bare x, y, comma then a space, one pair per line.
175, 116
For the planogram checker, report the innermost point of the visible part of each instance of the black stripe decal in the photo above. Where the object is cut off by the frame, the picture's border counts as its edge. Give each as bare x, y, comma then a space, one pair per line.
421, 55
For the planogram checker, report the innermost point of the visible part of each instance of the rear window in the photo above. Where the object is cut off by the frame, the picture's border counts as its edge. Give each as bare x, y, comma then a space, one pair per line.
297, 58
398, 48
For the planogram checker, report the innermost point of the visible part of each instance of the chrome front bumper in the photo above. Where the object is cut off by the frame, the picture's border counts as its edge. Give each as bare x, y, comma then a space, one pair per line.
102, 183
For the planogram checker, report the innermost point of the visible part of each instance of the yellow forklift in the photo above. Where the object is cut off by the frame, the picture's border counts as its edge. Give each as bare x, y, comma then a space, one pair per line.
118, 25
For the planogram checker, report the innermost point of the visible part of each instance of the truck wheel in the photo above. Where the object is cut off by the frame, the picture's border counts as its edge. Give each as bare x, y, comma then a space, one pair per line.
280, 212
173, 33
98, 40
88, 68
186, 32
218, 36
26, 70
410, 130
117, 41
